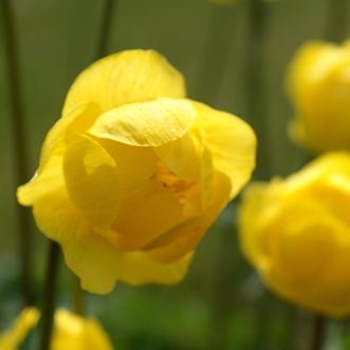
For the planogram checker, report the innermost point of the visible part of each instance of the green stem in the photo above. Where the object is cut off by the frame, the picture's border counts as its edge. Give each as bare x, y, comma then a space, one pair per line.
258, 18
49, 301
319, 332
19, 146
79, 300
337, 20
106, 24
216, 53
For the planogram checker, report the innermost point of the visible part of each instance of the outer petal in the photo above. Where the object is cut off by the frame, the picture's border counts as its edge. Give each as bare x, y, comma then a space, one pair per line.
139, 268
253, 216
312, 276
231, 142
92, 181
49, 175
126, 77
88, 255
312, 62
152, 123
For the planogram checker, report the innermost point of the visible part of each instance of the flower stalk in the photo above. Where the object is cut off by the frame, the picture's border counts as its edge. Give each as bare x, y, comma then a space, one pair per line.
19, 146
258, 23
216, 53
105, 30
48, 307
319, 328
337, 20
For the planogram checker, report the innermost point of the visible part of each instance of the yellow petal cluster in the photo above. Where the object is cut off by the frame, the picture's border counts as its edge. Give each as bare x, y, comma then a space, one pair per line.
70, 332
318, 84
133, 173
296, 233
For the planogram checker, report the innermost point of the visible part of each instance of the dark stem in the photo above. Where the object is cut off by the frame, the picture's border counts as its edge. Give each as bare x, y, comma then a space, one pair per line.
49, 300
106, 24
79, 300
337, 20
319, 332
19, 146
258, 20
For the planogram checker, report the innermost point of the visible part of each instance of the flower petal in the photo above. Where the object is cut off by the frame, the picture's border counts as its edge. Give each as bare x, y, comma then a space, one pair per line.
312, 62
184, 237
145, 215
92, 180
88, 255
126, 77
139, 268
231, 142
182, 156
49, 175
253, 236
152, 123
135, 165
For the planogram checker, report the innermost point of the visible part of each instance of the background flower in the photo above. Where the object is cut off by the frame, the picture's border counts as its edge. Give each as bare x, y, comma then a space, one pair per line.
296, 233
318, 84
71, 332
133, 174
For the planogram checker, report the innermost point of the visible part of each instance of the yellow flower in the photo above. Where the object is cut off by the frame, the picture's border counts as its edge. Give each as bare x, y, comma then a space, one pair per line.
318, 83
133, 174
71, 332
296, 233
12, 338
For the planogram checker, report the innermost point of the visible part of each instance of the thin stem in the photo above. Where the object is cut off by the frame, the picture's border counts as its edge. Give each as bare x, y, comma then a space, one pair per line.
79, 300
258, 18
319, 332
19, 146
216, 53
106, 24
337, 20
48, 307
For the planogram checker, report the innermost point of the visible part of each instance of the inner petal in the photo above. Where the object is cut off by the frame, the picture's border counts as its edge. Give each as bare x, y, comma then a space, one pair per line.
182, 156
135, 165
92, 181
145, 215
188, 193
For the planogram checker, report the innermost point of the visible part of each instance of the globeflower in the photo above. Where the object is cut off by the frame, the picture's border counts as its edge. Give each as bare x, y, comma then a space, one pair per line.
133, 173
70, 332
318, 84
296, 233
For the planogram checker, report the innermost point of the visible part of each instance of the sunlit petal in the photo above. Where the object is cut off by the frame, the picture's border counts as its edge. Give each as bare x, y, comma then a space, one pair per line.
231, 142
152, 123
126, 77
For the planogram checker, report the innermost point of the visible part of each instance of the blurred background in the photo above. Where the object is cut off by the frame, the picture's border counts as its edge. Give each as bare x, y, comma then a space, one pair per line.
234, 58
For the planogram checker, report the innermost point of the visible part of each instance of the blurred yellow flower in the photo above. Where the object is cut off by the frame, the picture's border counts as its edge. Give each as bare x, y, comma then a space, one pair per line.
13, 337
318, 83
133, 174
296, 233
71, 332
